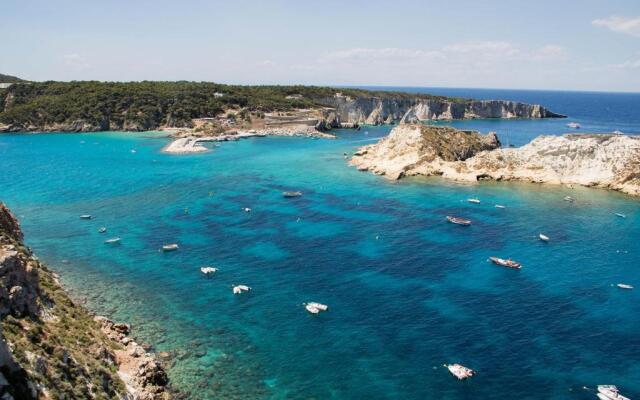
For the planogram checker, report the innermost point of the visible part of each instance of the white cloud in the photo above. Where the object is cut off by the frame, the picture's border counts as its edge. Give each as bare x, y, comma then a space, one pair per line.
75, 61
632, 64
267, 63
627, 25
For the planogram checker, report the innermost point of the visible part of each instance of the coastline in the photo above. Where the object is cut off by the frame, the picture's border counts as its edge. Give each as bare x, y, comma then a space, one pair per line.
605, 161
88, 347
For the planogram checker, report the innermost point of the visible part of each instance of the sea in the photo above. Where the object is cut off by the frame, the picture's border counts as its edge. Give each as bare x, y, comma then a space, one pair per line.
407, 292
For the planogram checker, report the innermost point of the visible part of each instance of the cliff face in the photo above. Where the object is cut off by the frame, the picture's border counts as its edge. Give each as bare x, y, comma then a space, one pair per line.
385, 110
605, 161
51, 348
410, 148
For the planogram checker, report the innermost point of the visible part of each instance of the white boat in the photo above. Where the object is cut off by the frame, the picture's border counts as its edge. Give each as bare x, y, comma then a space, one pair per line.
613, 388
543, 237
208, 270
240, 288
573, 125
85, 216
509, 263
624, 286
170, 247
500, 206
569, 199
114, 240
133, 151
621, 215
617, 132
459, 221
459, 371
315, 308
609, 393
291, 194
102, 230
474, 200
246, 209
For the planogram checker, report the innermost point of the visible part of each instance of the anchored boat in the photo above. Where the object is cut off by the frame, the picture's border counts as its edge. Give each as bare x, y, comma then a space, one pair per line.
315, 308
621, 215
102, 230
240, 288
573, 125
208, 270
474, 200
460, 371
500, 206
114, 240
170, 247
459, 221
543, 237
85, 216
509, 263
291, 194
624, 286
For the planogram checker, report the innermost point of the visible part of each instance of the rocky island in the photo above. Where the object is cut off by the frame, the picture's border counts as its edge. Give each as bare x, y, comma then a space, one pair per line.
596, 160
52, 348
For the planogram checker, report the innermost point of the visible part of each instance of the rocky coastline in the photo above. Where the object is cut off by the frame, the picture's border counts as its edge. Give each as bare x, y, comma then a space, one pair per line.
52, 348
189, 141
346, 110
605, 161
336, 111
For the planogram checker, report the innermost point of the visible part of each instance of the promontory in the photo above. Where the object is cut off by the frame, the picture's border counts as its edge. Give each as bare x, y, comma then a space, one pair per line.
597, 160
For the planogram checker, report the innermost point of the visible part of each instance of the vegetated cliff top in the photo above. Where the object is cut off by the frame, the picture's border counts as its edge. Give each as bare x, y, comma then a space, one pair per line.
9, 79
152, 104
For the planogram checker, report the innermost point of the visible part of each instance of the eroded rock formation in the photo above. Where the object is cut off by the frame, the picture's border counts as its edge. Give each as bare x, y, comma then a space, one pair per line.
604, 161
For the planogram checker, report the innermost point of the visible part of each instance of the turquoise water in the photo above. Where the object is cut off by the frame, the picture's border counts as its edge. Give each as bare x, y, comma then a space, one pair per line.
406, 291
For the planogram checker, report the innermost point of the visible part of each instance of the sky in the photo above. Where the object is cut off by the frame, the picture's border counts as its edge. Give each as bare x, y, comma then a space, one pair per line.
541, 44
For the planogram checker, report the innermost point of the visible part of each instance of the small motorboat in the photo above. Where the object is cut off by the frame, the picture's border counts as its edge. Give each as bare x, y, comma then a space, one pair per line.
114, 240
617, 132
85, 216
621, 215
569, 199
624, 286
543, 237
102, 230
460, 371
170, 247
291, 194
509, 263
609, 392
459, 221
316, 308
500, 206
474, 200
133, 151
612, 388
240, 288
208, 270
573, 125
246, 209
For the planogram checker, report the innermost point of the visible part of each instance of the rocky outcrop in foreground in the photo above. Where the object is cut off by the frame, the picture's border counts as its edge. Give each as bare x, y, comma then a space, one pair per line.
51, 348
604, 161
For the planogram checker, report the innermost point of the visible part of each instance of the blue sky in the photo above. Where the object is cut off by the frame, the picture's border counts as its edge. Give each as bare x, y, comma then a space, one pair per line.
573, 45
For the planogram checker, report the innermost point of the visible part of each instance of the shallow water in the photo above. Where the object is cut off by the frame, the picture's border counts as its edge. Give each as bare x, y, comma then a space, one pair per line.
406, 291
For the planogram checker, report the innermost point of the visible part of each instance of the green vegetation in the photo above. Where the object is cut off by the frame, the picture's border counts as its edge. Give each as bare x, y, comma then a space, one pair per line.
91, 105
9, 79
70, 351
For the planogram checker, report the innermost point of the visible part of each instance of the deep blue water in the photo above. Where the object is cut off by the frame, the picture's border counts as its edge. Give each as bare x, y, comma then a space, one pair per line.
407, 292
594, 111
